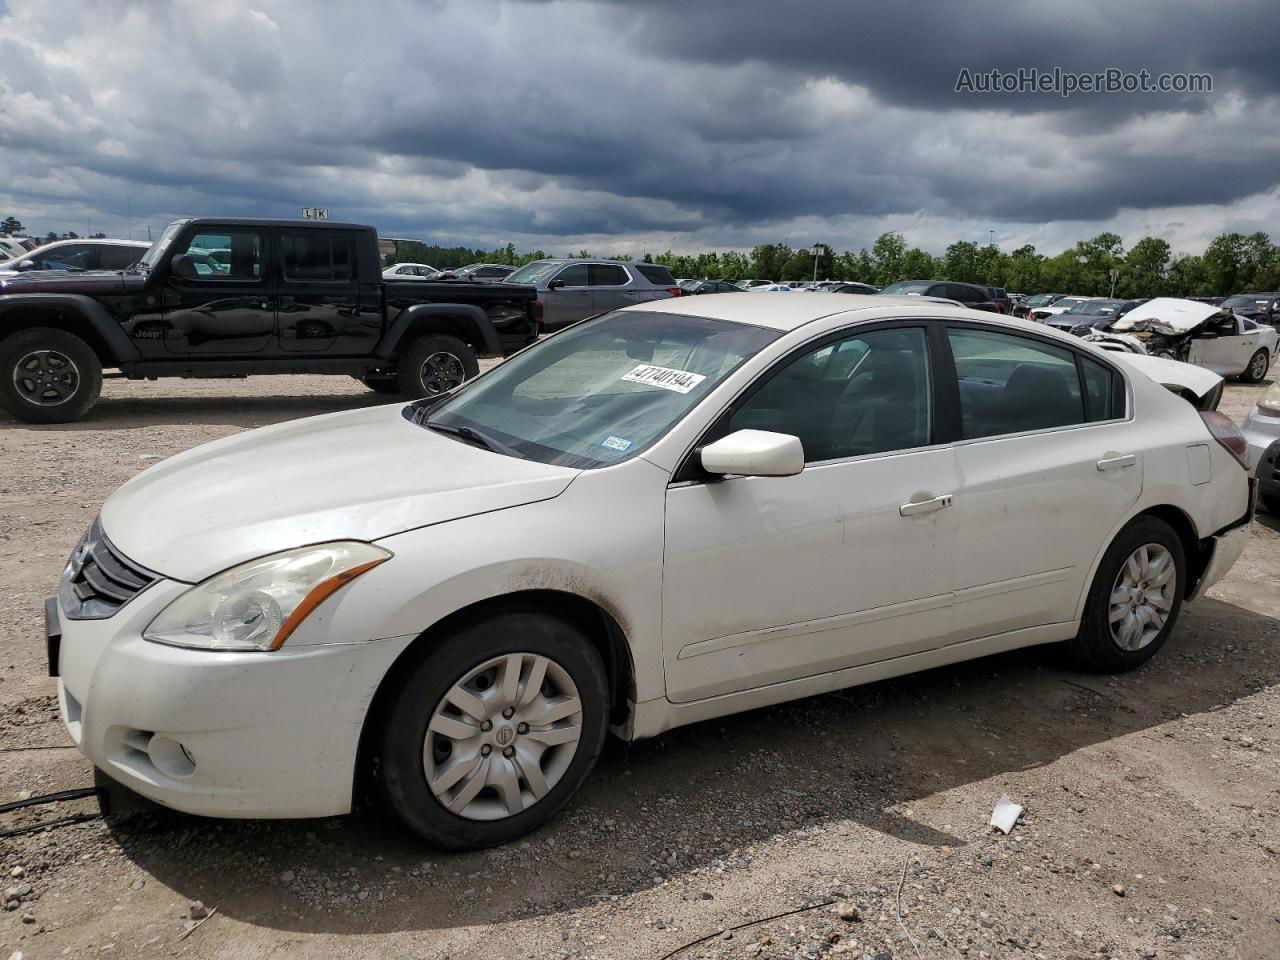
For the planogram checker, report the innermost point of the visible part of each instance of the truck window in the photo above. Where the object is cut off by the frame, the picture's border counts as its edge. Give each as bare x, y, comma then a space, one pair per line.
241, 248
316, 255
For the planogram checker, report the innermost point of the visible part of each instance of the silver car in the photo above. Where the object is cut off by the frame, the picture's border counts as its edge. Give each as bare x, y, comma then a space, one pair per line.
572, 290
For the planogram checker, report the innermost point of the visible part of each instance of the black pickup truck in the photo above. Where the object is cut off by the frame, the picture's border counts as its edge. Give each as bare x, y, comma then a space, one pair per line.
229, 298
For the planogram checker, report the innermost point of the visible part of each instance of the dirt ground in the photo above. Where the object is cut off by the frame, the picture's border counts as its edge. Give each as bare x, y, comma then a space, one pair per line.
1152, 799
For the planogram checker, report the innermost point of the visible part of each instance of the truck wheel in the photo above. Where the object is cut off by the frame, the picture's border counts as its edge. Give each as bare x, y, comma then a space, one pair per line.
435, 364
1256, 372
48, 376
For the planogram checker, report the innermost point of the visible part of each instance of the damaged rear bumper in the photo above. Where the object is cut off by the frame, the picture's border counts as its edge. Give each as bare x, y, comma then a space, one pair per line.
1225, 547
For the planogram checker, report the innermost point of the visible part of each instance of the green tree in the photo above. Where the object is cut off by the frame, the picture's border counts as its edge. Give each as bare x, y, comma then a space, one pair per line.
769, 260
1023, 273
886, 258
11, 226
918, 264
1145, 269
960, 262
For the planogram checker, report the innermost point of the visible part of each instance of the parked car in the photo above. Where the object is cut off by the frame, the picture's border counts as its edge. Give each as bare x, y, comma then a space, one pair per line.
1090, 315
1212, 301
1262, 424
410, 271
851, 287
695, 287
1258, 307
969, 294
1030, 303
296, 297
15, 247
77, 255
748, 284
1269, 479
633, 525
1204, 334
1001, 299
479, 272
574, 289
1061, 305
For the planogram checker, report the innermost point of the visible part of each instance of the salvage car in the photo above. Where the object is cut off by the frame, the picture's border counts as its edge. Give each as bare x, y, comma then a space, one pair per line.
574, 289
1204, 334
1027, 304
1090, 315
296, 296
665, 514
1259, 307
1262, 423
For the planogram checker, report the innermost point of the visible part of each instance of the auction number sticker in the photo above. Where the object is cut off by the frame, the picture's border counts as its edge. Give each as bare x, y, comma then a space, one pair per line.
681, 381
621, 444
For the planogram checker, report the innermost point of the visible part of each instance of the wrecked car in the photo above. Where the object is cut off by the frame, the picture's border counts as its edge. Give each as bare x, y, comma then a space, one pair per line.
1203, 334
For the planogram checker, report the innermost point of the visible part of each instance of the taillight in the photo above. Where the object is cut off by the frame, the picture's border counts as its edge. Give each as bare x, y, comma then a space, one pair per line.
535, 313
675, 291
1226, 432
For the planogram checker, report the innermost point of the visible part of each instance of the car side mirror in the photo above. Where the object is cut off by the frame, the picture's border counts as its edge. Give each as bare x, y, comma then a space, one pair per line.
25, 265
754, 453
183, 266
555, 284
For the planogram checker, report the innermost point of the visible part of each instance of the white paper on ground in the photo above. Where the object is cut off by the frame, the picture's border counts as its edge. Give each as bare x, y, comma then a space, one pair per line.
1006, 814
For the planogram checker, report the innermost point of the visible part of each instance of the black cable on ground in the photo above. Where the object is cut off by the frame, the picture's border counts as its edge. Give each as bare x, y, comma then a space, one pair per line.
49, 824
57, 797
743, 926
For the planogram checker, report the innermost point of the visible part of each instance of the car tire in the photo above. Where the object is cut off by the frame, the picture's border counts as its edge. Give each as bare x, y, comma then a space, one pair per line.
1270, 503
48, 375
435, 364
1146, 562
1256, 372
431, 752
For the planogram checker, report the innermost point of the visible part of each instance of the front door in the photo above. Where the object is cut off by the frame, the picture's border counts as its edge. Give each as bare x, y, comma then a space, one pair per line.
1228, 347
323, 307
222, 299
1048, 470
768, 579
570, 299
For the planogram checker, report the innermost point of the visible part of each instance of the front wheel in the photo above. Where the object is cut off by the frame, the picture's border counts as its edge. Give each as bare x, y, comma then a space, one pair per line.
489, 736
48, 375
435, 364
1256, 372
1135, 598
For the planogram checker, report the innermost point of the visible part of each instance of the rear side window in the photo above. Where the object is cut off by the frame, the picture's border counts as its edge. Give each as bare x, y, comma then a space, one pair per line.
1010, 384
1103, 391
604, 275
316, 255
112, 257
656, 274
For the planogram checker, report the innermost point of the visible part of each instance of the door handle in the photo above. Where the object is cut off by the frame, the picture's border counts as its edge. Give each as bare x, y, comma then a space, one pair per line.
917, 507
1127, 460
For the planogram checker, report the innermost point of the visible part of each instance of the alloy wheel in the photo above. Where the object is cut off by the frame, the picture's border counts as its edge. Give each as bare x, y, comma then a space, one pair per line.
441, 372
46, 378
1142, 597
1258, 367
502, 736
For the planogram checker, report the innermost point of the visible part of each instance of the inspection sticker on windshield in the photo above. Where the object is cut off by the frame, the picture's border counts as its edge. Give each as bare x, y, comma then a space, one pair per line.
621, 444
681, 381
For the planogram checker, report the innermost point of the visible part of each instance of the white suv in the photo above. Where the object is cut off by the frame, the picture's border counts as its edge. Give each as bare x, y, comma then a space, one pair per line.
666, 514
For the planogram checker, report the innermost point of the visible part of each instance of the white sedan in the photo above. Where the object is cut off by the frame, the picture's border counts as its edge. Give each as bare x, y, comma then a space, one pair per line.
410, 271
668, 513
1204, 334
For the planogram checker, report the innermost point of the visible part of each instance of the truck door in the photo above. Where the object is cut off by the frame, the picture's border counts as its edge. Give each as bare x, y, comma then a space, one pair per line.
323, 307
220, 299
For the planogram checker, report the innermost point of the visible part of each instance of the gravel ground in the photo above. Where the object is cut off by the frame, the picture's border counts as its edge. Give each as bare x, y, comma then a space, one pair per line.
1151, 799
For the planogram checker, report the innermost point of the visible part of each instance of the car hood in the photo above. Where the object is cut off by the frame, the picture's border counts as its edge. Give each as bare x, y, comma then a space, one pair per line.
360, 475
87, 282
1170, 316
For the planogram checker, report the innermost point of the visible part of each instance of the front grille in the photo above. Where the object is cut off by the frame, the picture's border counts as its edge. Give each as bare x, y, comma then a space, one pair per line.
99, 579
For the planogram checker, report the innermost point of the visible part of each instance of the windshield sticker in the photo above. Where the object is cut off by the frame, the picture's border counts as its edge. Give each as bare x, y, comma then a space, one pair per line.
621, 444
680, 381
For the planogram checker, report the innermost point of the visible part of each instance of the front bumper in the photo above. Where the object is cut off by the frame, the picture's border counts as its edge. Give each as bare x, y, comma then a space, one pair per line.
1260, 431
225, 734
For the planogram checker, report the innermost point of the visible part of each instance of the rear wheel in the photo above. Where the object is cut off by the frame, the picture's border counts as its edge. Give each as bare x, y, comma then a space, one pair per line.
490, 735
48, 375
435, 364
1135, 598
1256, 372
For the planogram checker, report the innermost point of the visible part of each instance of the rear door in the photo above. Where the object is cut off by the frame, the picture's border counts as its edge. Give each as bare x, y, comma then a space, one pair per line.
323, 307
229, 313
1047, 470
612, 287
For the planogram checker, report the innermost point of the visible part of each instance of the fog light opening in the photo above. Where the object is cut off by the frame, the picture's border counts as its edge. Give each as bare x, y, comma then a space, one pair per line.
171, 757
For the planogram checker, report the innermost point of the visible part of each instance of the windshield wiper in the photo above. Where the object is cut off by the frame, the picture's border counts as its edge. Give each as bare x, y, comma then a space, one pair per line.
474, 437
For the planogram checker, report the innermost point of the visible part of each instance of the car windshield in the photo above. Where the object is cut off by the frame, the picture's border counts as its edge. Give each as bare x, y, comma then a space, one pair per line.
534, 272
1094, 308
908, 287
1066, 303
600, 392
151, 258
1039, 300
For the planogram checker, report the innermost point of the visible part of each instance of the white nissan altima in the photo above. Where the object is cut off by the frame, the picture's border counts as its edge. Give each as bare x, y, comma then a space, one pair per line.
667, 513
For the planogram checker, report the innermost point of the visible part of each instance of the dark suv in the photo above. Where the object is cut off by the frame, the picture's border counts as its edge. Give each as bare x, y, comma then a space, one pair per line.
225, 298
967, 294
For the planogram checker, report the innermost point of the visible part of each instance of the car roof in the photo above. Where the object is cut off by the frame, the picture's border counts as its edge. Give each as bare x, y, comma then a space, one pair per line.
265, 222
632, 263
800, 307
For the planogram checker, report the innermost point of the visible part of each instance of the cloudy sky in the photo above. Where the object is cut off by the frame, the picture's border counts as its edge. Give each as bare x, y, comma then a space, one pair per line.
621, 126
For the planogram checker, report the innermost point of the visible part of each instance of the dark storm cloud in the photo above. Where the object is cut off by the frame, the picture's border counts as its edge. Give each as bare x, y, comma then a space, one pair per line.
565, 120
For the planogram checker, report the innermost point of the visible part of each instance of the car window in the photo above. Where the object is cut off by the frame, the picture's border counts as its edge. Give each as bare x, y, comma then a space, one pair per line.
244, 252
574, 275
963, 292
74, 256
1009, 384
658, 275
316, 255
1103, 391
603, 275
865, 394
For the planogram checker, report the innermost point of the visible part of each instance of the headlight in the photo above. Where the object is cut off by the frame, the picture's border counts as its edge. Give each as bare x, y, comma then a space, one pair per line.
257, 605
1269, 402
